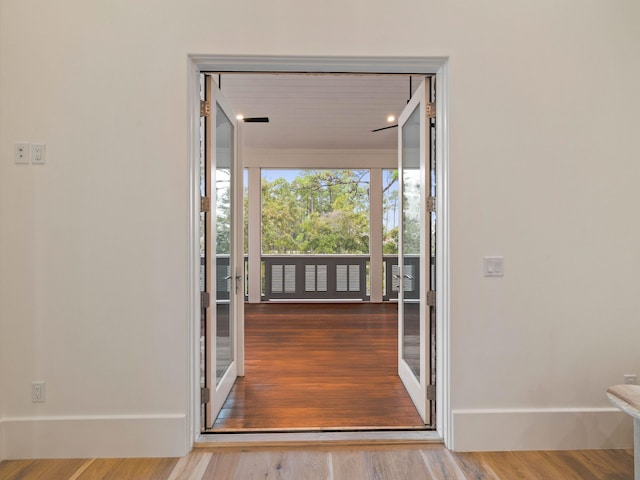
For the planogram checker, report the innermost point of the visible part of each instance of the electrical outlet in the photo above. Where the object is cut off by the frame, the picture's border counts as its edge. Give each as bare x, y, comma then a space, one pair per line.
38, 153
22, 153
493, 266
37, 392
630, 379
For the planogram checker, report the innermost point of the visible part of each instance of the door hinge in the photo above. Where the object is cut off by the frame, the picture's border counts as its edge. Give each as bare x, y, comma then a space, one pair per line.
430, 109
205, 299
205, 395
431, 204
205, 108
431, 298
431, 392
205, 204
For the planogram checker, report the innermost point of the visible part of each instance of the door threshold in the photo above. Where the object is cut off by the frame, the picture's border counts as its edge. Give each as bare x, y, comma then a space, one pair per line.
289, 439
344, 429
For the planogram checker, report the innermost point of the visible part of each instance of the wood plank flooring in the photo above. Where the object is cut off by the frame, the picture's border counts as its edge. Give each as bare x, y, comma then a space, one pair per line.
337, 463
319, 367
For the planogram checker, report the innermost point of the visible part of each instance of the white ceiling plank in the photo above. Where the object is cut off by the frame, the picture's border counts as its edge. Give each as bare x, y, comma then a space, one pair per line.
317, 111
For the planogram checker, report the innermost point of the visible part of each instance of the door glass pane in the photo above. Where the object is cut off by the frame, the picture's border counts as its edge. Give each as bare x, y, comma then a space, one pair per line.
224, 277
412, 201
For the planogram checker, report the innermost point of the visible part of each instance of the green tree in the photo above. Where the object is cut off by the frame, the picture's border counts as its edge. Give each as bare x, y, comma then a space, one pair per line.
280, 213
223, 211
320, 211
390, 206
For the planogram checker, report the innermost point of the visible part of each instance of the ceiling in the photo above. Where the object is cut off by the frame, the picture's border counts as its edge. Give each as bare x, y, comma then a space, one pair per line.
318, 111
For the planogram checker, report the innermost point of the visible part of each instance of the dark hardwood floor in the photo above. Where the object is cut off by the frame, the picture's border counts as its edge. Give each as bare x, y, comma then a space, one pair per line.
319, 367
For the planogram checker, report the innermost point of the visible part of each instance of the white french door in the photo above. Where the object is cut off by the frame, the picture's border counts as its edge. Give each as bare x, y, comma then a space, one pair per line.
416, 302
224, 262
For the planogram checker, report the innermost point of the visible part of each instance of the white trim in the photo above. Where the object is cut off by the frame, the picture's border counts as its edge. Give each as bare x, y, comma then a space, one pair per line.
305, 64
193, 249
416, 386
491, 411
318, 64
84, 418
391, 436
310, 158
375, 234
444, 418
255, 234
221, 387
238, 226
3, 454
75, 436
541, 429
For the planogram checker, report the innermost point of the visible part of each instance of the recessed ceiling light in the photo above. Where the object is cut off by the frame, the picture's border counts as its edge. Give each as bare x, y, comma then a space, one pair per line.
391, 118
239, 117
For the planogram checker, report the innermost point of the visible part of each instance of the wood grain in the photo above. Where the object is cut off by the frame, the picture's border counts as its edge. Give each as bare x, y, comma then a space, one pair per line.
626, 397
138, 468
39, 469
337, 463
319, 367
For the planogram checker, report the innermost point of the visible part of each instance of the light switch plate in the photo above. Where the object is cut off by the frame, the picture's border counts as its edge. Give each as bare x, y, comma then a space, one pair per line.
493, 266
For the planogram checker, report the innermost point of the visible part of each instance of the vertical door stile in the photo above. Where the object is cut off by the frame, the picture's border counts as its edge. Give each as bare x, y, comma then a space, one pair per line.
223, 269
415, 299
433, 252
209, 256
237, 190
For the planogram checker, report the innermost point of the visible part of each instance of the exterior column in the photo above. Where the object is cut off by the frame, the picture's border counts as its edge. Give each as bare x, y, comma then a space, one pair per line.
255, 234
375, 234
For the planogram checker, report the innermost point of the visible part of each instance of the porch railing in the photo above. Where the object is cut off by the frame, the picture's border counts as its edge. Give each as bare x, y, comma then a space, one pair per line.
392, 279
303, 277
322, 277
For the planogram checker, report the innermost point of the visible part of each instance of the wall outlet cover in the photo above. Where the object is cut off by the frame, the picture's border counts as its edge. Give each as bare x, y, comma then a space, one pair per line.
38, 153
22, 153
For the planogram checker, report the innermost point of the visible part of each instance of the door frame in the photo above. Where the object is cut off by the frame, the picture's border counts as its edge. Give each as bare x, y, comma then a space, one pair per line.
439, 66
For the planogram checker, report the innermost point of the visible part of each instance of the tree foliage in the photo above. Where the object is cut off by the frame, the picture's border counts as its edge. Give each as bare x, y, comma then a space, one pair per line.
390, 212
326, 212
318, 212
223, 210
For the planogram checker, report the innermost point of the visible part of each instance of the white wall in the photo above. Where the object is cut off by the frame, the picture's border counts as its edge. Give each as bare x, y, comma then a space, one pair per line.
93, 246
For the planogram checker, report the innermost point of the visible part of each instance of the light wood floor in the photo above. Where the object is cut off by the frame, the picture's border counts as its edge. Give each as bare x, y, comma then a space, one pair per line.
319, 367
337, 463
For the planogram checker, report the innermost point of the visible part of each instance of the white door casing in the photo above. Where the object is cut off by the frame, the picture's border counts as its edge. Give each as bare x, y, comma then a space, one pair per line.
202, 63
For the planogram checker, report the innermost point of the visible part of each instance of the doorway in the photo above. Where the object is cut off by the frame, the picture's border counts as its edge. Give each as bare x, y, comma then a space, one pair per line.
435, 267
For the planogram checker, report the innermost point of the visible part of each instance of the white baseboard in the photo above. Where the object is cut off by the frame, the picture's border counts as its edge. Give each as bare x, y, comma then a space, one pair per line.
95, 436
541, 429
2, 442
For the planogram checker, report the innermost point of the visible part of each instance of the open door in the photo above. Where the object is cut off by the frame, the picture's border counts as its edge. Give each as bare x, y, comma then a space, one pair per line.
224, 262
416, 297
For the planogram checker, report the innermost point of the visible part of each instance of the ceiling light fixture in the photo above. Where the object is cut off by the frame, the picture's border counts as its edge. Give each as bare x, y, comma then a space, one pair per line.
239, 117
391, 118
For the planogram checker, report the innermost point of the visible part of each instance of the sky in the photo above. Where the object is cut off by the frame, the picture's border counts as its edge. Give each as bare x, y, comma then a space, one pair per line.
270, 174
